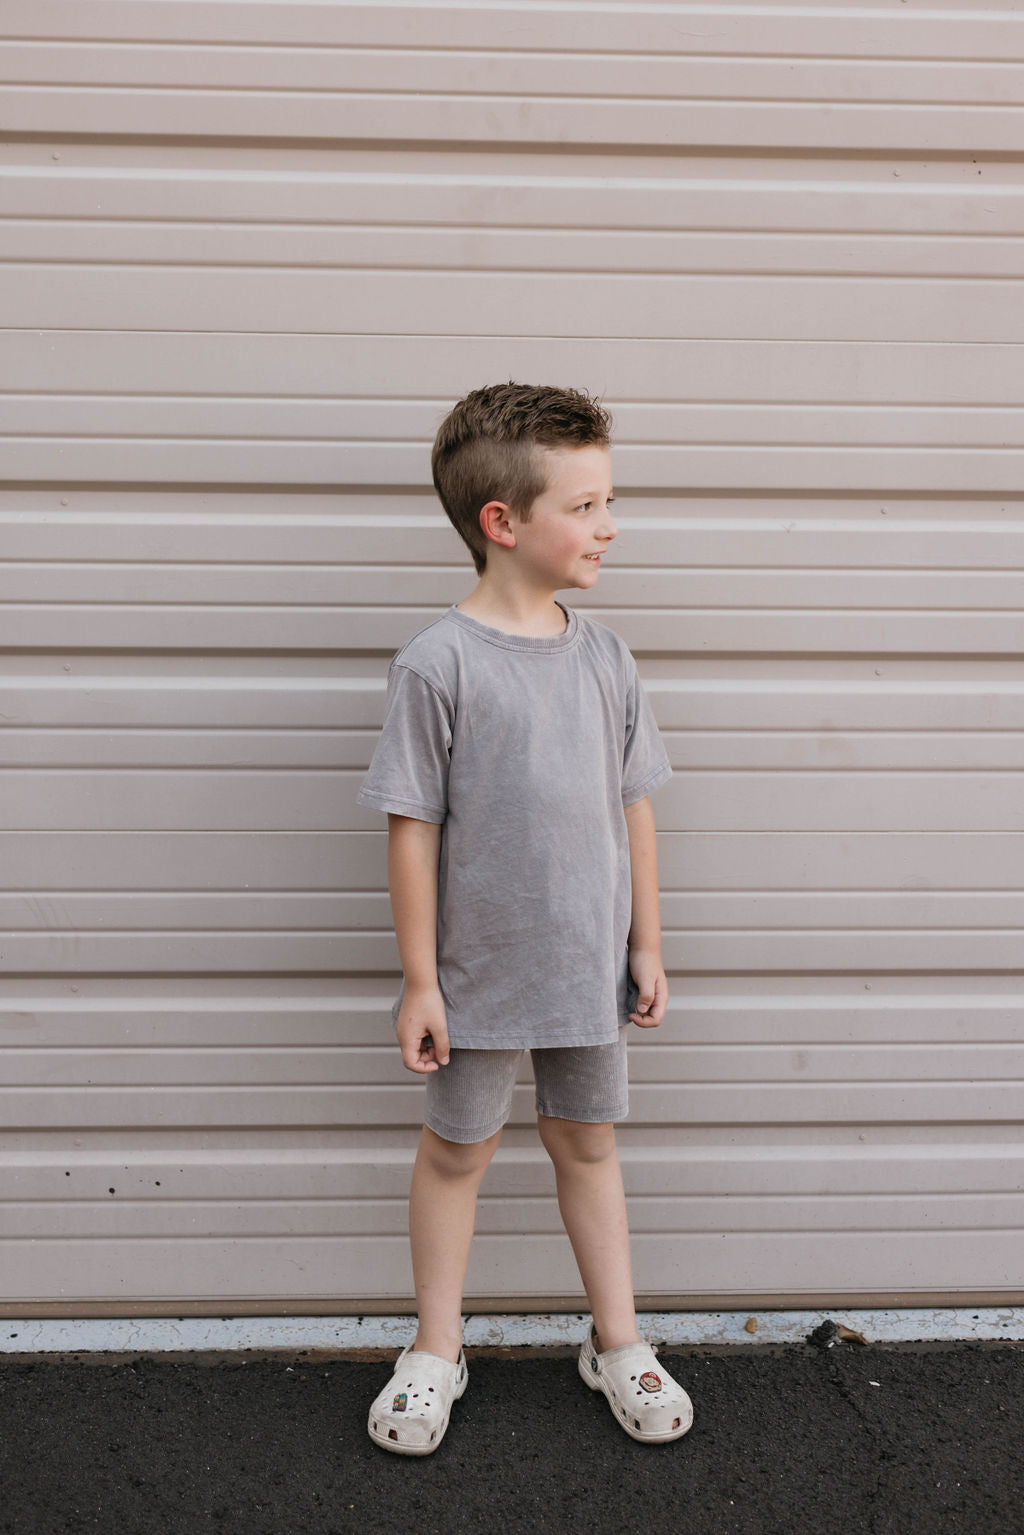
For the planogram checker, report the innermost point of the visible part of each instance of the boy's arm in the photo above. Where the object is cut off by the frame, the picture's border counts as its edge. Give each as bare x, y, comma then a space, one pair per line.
414, 849
645, 928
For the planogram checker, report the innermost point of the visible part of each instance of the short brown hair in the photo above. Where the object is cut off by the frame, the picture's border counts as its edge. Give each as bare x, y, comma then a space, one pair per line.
485, 450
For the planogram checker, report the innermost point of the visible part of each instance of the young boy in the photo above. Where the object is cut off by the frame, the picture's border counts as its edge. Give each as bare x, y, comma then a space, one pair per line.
515, 761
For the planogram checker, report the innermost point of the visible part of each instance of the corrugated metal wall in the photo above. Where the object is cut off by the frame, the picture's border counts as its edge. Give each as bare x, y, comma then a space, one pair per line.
252, 253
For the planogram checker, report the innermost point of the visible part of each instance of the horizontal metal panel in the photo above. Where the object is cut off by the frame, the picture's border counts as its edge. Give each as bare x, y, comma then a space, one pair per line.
348, 913
431, 74
205, 1182
738, 800
658, 307
880, 471
269, 741
948, 950
484, 119
668, 375
412, 247
699, 630
354, 425
875, 1102
867, 30
285, 1064
628, 582
408, 535
347, 1268
300, 1220
220, 861
524, 211
730, 1015
925, 1138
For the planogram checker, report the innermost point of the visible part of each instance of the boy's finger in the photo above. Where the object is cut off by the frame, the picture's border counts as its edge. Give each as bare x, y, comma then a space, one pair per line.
660, 1003
416, 1052
650, 1007
439, 1039
412, 1060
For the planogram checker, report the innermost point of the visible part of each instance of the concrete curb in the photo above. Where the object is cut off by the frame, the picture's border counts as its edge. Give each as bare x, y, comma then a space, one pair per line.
163, 1335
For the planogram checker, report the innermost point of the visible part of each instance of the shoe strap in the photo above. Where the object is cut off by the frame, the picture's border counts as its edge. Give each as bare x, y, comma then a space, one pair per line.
433, 1369
421, 1353
629, 1353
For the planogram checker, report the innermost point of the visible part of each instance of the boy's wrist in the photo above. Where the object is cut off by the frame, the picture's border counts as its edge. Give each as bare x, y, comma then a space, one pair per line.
642, 946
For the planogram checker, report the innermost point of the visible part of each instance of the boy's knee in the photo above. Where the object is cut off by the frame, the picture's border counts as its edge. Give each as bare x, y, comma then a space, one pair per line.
572, 1140
457, 1159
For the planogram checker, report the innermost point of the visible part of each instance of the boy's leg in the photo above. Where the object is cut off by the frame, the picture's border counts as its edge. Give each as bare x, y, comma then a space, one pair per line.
592, 1202
442, 1213
580, 1091
467, 1104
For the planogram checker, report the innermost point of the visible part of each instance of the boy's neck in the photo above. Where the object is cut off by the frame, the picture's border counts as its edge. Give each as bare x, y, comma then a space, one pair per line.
535, 615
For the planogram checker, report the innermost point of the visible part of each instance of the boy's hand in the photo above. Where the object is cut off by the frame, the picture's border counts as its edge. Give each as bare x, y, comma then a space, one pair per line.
422, 1029
649, 974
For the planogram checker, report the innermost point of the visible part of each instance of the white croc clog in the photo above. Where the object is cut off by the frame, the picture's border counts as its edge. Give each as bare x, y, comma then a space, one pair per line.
411, 1414
650, 1405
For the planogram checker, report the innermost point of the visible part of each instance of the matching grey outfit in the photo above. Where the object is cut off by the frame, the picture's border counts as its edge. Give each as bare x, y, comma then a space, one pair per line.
525, 749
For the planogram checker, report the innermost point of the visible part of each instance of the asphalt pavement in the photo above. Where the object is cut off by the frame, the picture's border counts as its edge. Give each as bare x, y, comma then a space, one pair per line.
912, 1439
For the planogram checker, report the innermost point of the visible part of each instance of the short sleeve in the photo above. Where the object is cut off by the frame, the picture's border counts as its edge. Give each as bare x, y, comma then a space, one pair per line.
408, 773
645, 764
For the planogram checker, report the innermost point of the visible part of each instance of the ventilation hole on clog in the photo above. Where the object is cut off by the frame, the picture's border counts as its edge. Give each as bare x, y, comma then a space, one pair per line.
430, 1388
636, 1422
392, 1433
638, 1391
632, 1377
375, 1428
675, 1422
433, 1436
415, 1395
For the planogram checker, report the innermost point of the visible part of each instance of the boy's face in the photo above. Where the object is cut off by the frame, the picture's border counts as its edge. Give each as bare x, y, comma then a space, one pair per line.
570, 520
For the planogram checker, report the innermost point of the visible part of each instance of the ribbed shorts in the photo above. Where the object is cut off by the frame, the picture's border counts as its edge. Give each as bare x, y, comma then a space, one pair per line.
471, 1098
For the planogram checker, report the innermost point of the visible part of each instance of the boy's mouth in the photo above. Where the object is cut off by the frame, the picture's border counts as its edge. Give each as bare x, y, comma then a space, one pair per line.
595, 557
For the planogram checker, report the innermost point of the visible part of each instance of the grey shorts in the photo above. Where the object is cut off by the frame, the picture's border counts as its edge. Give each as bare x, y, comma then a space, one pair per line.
471, 1098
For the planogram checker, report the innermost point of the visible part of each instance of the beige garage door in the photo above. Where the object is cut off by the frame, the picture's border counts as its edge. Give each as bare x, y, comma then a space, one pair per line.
253, 251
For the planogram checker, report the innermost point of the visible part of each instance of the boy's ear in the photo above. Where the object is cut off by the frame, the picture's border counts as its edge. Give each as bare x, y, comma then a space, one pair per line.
495, 521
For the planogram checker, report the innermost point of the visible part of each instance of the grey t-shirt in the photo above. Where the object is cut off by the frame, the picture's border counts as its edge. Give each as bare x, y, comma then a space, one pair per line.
525, 748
